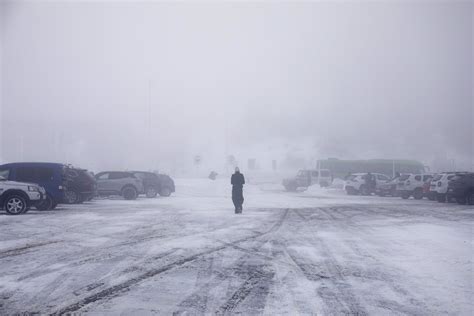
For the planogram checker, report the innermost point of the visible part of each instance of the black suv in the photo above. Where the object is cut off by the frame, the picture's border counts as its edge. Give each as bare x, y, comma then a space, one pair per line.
155, 183
80, 186
461, 188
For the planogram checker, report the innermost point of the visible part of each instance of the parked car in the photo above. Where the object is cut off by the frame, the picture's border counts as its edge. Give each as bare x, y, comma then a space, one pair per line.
50, 176
121, 183
388, 188
461, 188
356, 183
413, 185
155, 184
80, 186
17, 197
306, 178
439, 185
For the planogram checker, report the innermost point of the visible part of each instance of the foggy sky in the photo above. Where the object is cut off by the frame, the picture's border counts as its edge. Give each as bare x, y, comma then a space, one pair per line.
149, 85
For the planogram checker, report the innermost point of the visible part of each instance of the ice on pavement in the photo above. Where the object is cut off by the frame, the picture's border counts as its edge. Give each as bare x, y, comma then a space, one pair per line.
316, 251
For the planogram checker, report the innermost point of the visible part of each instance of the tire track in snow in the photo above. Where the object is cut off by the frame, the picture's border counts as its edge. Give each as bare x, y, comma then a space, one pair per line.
116, 290
25, 249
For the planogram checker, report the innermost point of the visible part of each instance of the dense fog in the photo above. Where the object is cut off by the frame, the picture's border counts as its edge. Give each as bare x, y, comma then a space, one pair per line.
151, 85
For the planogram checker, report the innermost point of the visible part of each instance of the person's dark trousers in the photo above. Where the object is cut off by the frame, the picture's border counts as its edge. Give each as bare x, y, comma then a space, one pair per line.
237, 198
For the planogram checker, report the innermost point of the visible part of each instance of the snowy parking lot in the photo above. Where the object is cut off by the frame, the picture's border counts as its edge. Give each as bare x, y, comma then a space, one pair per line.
312, 252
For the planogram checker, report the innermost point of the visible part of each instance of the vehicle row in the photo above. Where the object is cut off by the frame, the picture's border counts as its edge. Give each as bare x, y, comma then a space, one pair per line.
45, 185
443, 187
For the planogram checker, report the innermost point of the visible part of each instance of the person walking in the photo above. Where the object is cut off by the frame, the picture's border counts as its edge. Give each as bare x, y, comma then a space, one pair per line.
237, 180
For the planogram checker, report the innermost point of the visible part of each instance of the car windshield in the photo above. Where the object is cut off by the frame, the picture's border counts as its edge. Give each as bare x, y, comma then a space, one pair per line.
352, 177
404, 177
438, 177
301, 173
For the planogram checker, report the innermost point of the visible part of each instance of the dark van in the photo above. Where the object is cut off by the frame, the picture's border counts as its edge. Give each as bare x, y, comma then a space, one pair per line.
50, 176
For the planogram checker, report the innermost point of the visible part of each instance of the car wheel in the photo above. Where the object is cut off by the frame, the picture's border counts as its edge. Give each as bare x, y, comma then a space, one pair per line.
46, 204
165, 191
71, 197
461, 200
363, 190
418, 194
405, 196
129, 193
441, 198
15, 205
151, 192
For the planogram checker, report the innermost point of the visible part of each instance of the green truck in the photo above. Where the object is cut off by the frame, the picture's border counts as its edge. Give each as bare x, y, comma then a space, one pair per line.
341, 168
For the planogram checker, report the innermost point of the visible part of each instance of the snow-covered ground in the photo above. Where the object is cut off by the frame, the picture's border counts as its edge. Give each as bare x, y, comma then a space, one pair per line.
312, 252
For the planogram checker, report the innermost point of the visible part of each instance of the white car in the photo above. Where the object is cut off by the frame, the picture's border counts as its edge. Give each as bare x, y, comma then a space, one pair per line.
17, 197
356, 184
439, 184
413, 185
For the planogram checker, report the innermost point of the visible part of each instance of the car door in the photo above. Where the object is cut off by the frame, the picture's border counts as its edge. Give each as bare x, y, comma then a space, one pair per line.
102, 180
116, 180
380, 179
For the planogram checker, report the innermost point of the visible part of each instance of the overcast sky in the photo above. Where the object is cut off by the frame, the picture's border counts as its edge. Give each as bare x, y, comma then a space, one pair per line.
150, 85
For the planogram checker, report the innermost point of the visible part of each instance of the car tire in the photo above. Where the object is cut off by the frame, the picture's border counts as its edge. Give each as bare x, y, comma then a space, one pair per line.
405, 196
71, 197
363, 190
151, 192
15, 204
165, 191
129, 193
418, 194
45, 205
461, 200
441, 198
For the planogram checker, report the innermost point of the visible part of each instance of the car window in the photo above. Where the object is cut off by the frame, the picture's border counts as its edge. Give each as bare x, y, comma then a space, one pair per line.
451, 176
115, 175
427, 177
72, 173
404, 177
5, 173
34, 174
104, 176
382, 177
140, 175
438, 177
418, 178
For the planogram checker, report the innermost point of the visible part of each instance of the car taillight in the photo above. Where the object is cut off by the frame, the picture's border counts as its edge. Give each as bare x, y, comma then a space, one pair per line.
439, 183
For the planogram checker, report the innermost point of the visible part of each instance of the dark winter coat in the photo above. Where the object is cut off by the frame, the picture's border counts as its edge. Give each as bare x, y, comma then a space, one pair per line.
237, 180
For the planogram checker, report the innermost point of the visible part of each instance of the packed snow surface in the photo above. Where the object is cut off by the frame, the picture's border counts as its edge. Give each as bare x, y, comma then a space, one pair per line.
311, 252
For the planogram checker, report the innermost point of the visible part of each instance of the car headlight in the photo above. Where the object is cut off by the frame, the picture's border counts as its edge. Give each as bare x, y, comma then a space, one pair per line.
33, 189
